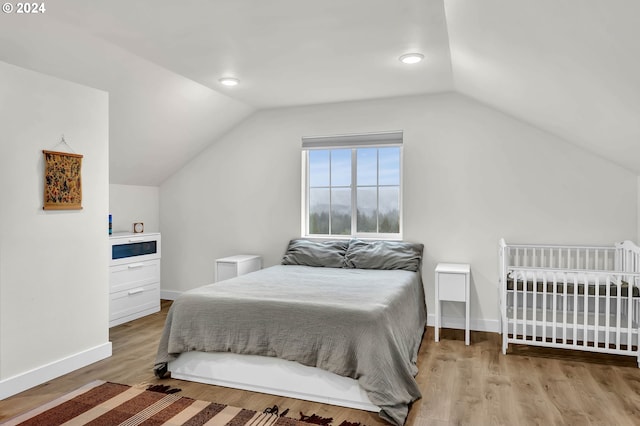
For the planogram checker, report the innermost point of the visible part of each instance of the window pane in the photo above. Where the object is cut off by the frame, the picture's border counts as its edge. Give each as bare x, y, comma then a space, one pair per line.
367, 210
341, 167
367, 166
341, 211
389, 207
332, 180
319, 211
389, 166
319, 168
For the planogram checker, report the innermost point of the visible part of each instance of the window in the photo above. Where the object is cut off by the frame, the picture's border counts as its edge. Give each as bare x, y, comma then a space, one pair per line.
352, 185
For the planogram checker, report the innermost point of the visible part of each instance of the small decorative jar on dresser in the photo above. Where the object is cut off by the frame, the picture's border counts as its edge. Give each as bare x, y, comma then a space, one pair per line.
134, 276
233, 266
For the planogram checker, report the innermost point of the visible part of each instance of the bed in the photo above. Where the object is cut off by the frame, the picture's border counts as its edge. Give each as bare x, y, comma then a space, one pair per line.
573, 297
340, 321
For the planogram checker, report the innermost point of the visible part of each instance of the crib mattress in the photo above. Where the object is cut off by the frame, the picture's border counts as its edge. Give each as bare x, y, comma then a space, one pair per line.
591, 288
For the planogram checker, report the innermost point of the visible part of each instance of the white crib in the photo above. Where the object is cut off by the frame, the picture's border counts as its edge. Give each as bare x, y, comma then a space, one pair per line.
572, 297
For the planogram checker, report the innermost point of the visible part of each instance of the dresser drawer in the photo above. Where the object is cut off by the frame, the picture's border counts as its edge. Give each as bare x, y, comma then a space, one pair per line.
134, 274
134, 301
127, 248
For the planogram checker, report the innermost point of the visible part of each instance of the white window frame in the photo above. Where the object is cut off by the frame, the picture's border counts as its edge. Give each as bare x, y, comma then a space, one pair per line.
353, 142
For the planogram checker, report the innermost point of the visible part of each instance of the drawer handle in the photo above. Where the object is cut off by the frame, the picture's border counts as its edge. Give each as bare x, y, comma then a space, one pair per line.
135, 291
135, 240
135, 265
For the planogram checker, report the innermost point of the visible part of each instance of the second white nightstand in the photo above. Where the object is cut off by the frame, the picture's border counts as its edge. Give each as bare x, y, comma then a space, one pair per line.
452, 284
233, 266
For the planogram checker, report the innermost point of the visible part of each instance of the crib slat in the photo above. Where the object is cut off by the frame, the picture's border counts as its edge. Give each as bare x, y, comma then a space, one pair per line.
618, 310
564, 309
575, 310
515, 305
629, 313
585, 310
524, 307
555, 308
544, 307
586, 258
607, 312
596, 319
534, 296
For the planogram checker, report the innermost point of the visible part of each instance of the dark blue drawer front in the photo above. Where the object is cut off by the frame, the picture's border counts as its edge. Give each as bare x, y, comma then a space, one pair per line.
121, 251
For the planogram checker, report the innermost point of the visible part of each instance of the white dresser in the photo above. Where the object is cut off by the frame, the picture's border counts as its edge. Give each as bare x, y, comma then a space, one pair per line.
134, 276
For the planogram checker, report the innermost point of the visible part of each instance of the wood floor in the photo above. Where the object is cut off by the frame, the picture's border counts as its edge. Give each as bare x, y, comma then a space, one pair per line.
461, 385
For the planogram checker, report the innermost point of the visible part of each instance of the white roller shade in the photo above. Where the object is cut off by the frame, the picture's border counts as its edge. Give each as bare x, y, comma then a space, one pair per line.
353, 141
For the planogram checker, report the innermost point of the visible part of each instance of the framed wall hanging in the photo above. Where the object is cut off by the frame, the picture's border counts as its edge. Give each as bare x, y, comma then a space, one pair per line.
62, 181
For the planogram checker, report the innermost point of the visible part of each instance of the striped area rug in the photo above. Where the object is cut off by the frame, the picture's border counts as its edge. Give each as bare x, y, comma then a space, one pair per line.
109, 404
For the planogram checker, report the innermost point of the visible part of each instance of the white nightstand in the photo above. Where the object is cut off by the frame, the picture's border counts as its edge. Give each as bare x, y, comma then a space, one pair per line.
233, 266
452, 285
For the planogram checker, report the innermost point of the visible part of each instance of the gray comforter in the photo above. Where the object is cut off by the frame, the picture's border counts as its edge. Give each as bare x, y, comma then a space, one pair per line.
363, 324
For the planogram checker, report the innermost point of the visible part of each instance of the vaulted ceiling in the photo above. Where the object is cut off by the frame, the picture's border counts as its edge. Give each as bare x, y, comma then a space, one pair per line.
571, 67
285, 52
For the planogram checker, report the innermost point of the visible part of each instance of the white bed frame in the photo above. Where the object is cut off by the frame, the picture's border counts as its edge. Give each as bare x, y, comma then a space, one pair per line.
270, 375
562, 306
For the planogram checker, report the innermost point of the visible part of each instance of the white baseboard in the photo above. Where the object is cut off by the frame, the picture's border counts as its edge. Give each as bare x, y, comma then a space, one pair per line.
170, 294
492, 326
39, 375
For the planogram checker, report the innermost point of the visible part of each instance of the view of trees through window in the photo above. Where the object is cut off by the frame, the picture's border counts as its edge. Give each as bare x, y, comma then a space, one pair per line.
354, 191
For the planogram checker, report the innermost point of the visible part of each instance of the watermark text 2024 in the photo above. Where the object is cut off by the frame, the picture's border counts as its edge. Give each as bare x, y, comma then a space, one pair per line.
24, 8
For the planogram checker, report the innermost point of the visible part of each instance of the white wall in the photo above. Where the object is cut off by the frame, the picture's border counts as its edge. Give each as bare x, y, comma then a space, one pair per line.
133, 203
472, 175
53, 264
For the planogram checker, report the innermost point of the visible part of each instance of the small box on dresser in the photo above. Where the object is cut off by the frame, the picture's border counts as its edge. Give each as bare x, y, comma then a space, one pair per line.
233, 266
134, 276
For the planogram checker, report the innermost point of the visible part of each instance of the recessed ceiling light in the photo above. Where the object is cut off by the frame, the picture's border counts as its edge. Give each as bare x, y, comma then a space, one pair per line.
411, 58
229, 81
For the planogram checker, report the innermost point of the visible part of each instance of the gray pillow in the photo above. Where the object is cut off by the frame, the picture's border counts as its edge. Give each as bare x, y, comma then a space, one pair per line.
384, 255
328, 254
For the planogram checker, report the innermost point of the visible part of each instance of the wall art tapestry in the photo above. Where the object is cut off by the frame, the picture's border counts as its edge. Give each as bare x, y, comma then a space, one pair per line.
62, 181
